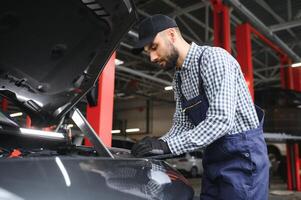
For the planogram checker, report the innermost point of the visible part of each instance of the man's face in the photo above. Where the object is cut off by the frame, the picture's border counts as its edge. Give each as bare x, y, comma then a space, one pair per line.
162, 52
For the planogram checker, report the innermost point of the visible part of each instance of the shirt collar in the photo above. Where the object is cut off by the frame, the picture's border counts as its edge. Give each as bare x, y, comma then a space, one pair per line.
189, 57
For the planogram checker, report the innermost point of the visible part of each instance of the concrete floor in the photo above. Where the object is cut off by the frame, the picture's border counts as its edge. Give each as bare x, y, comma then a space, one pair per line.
278, 190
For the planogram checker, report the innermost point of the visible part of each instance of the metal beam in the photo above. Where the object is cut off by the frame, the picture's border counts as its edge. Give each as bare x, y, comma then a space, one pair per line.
260, 76
189, 29
274, 71
286, 25
268, 68
289, 10
126, 79
137, 73
259, 81
263, 4
238, 21
158, 72
189, 9
192, 18
140, 58
145, 83
242, 10
261, 43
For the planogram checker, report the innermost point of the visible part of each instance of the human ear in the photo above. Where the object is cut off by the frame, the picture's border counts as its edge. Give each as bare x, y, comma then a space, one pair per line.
171, 34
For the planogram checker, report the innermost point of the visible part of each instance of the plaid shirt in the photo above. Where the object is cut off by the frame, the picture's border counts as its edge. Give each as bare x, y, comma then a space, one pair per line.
231, 109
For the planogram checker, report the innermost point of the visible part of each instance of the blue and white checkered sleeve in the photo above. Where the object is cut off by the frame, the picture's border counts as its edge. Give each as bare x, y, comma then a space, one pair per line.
219, 74
180, 120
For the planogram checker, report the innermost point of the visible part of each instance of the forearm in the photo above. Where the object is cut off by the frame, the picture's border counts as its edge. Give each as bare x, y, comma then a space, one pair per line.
176, 129
201, 136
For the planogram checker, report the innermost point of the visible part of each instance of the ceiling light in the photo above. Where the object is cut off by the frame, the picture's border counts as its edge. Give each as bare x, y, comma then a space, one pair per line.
115, 131
48, 134
168, 88
296, 64
134, 34
18, 114
120, 94
132, 130
118, 62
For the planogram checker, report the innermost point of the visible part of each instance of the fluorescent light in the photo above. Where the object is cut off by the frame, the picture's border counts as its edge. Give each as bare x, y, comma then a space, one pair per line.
115, 131
168, 88
296, 64
18, 114
298, 106
118, 62
134, 34
120, 94
132, 130
34, 132
64, 171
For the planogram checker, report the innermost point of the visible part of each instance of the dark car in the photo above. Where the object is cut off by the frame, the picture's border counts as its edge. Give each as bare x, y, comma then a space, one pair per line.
51, 54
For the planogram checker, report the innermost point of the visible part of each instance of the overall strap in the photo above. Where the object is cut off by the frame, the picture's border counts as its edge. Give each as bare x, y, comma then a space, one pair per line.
179, 80
200, 77
179, 83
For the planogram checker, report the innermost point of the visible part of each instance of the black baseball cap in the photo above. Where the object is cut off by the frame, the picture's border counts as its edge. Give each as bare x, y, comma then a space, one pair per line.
150, 27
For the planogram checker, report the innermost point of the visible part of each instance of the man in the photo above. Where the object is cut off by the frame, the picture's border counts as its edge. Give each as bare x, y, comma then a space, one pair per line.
214, 110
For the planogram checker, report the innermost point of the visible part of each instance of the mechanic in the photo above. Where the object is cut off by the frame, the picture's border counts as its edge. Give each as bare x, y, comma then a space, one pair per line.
214, 111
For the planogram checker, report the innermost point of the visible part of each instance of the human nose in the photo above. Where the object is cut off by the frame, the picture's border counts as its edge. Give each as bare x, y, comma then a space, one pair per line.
153, 56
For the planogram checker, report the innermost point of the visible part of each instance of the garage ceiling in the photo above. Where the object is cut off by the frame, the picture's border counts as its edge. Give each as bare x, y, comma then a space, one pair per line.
138, 77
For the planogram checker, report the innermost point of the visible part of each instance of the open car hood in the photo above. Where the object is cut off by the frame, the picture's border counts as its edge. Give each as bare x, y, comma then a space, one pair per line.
53, 51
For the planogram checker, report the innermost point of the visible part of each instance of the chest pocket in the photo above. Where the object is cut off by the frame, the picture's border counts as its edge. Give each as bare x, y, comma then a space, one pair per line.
195, 108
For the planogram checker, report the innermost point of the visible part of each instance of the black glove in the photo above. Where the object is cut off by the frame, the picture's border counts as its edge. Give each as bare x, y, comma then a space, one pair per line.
150, 146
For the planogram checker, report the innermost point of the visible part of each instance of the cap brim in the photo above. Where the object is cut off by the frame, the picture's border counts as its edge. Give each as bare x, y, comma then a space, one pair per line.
138, 48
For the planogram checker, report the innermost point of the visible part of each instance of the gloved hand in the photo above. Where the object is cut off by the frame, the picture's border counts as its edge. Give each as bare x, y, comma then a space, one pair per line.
150, 146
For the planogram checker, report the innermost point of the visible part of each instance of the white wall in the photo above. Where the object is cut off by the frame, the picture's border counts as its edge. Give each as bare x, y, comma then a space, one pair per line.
162, 118
134, 112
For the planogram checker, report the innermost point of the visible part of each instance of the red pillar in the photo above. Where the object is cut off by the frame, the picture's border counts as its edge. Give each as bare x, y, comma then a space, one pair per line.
221, 24
297, 78
101, 116
28, 122
297, 164
289, 167
4, 104
293, 167
244, 53
286, 73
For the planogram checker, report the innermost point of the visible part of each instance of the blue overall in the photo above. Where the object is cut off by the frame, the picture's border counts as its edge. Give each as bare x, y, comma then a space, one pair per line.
235, 166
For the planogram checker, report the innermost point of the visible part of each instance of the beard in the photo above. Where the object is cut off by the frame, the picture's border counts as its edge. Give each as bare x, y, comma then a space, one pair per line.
171, 59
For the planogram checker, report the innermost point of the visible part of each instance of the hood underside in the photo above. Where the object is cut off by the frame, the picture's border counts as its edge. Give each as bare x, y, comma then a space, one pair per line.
53, 51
